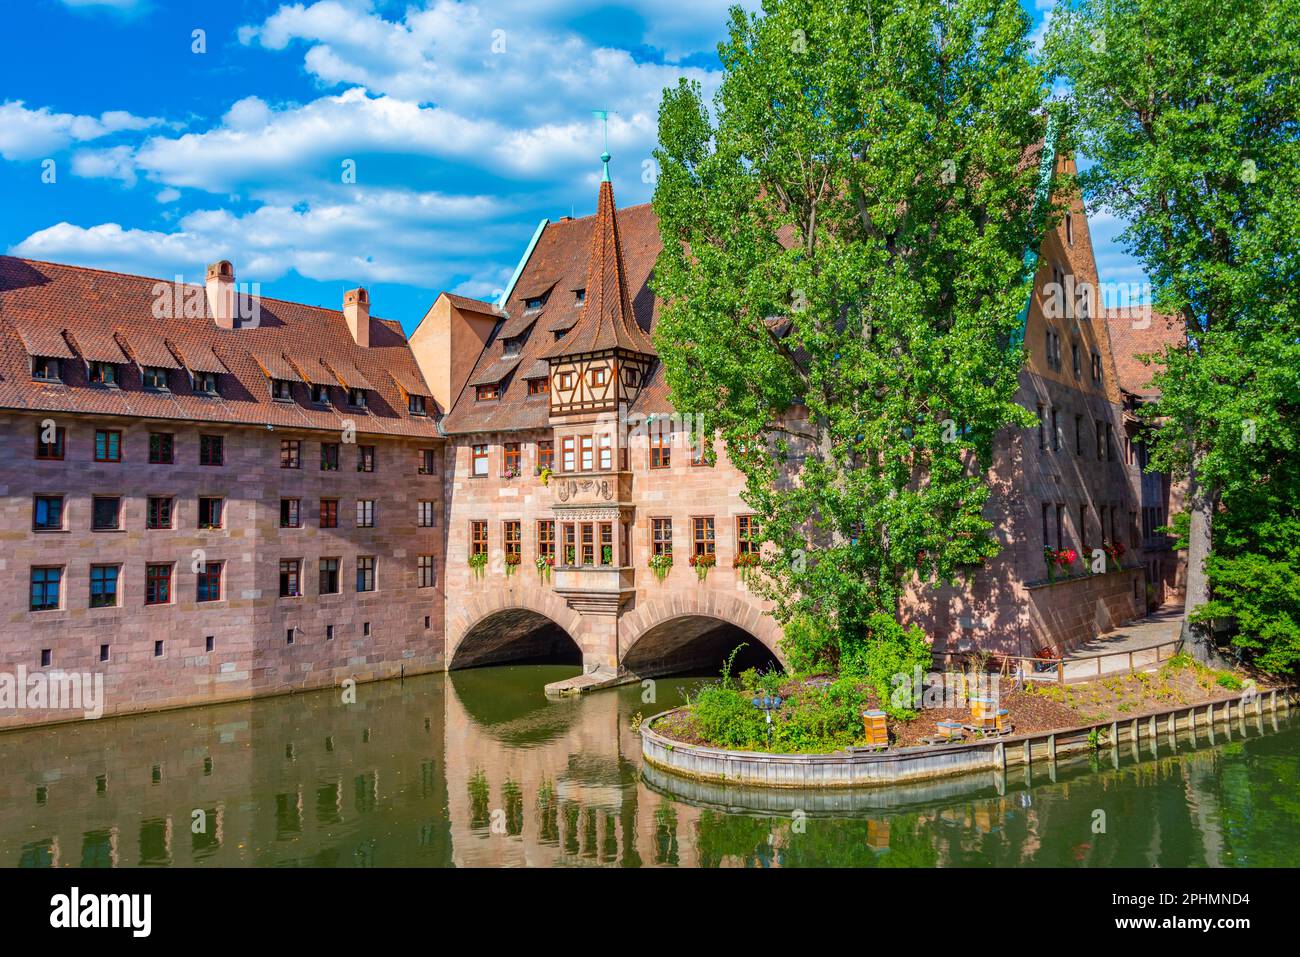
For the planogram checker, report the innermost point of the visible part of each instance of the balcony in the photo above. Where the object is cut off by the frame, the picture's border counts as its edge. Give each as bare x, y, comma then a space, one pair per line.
593, 588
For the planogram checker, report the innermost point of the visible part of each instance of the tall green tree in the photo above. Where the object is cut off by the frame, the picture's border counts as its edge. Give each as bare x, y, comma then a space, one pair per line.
842, 274
1188, 111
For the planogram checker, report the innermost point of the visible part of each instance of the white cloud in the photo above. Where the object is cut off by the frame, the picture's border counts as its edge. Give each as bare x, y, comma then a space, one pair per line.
31, 134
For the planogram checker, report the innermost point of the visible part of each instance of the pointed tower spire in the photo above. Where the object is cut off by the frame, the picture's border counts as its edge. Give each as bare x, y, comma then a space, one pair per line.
607, 321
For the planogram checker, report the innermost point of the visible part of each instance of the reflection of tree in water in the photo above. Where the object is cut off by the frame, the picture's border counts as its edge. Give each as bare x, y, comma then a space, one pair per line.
513, 798
548, 813
665, 839
479, 792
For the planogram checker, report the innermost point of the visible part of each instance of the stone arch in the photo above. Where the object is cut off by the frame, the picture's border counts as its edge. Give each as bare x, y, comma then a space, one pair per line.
489, 628
657, 636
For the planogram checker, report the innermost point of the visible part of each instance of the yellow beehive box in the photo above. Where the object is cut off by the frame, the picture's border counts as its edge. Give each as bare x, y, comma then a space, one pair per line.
877, 731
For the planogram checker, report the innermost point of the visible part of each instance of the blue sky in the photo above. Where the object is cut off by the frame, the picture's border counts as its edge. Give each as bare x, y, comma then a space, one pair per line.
465, 124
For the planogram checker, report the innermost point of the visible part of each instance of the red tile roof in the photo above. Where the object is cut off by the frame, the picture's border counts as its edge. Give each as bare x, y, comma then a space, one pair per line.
1137, 330
106, 311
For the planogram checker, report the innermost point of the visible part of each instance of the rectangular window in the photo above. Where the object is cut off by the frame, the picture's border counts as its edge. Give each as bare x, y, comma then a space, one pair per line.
208, 587
606, 452
1056, 433
746, 534
1042, 428
585, 453
329, 576
415, 405
103, 586
568, 454
290, 578
512, 458
1046, 519
159, 512
661, 536
365, 458
290, 513
329, 456
46, 587
546, 539
52, 449
157, 584
290, 454
539, 386
205, 383
478, 537
45, 369
365, 513
703, 535
1101, 441
105, 513
485, 393
570, 543
1060, 525
329, 513
513, 536
425, 514
1096, 366
588, 531
479, 460
162, 448
546, 454
212, 450
155, 378
320, 394
282, 390
424, 569
365, 573
606, 543
210, 512
1076, 360
108, 445
357, 398
1110, 442
103, 373
47, 513
426, 462
1078, 435
661, 453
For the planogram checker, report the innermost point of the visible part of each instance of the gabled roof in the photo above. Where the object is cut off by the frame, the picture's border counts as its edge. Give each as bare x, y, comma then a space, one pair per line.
110, 315
607, 321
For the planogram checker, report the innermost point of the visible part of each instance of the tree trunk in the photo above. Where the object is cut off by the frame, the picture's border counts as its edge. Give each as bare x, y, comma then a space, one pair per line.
1198, 637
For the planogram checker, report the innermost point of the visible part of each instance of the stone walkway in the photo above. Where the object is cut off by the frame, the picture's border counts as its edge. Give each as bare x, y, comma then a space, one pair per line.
1139, 637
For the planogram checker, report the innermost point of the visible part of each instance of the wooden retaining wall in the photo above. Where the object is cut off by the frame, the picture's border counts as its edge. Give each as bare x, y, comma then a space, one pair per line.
877, 769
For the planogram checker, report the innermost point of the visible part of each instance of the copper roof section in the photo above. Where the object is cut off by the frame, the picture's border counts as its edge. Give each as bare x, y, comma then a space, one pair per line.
607, 320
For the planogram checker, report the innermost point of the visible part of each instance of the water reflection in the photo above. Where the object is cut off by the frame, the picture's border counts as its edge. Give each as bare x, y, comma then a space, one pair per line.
479, 769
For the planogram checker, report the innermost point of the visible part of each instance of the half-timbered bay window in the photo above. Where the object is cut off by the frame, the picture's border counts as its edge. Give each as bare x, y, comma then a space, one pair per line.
661, 536
478, 537
702, 527
479, 460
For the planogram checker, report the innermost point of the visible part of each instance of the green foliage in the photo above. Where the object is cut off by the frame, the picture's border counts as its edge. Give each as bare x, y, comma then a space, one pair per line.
815, 720
726, 718
1229, 681
842, 275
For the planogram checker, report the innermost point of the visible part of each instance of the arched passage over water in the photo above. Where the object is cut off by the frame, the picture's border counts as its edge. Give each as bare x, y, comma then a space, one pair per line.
696, 644
517, 636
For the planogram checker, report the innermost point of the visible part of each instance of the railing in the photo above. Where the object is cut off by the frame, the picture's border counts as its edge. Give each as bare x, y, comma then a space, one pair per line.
1029, 668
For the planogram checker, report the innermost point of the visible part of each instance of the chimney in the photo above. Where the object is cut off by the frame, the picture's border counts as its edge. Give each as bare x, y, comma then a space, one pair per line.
356, 310
221, 293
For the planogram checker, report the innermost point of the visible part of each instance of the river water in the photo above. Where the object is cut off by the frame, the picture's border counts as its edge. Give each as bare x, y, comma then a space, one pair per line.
479, 769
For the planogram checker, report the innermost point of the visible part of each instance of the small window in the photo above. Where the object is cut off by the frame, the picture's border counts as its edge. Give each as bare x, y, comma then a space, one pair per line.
282, 390
536, 302
329, 576
103, 652
208, 587
49, 442
212, 450
329, 456
427, 462
105, 513
585, 449
162, 448
539, 386
158, 585
103, 586
568, 460
290, 578
424, 568
1096, 366
158, 649
47, 658
546, 539
425, 514
329, 513
661, 536
103, 373
479, 460
564, 380
1076, 360
46, 588
488, 392
357, 398
320, 394
47, 513
545, 452
108, 445
513, 537
631, 376
365, 458
365, 513
661, 452
155, 377
703, 535
205, 383
290, 454
46, 369
598, 376
478, 537
210, 511
159, 512
290, 513
606, 445
1069, 229
579, 296
329, 632
209, 643
365, 573
746, 535
512, 458
415, 405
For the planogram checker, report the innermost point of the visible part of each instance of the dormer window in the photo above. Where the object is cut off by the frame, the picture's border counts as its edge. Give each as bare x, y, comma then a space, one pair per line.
579, 296
103, 373
320, 394
155, 377
510, 347
415, 405
46, 369
357, 398
536, 302
282, 390
485, 393
205, 383
559, 334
